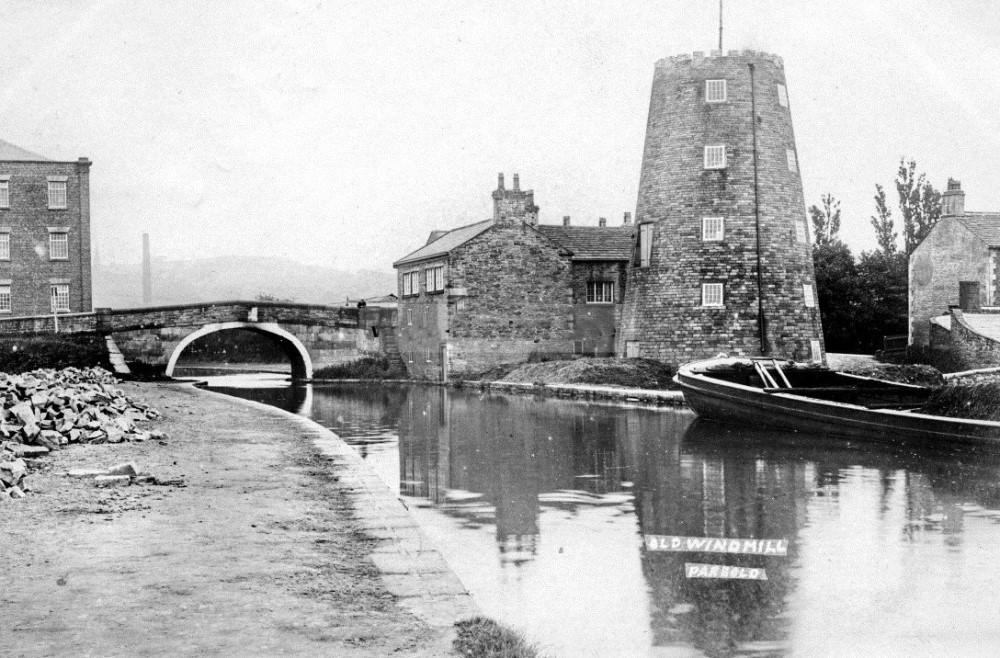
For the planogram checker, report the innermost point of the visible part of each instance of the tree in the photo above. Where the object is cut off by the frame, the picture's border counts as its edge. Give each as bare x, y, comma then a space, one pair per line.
837, 292
885, 228
882, 300
919, 204
825, 221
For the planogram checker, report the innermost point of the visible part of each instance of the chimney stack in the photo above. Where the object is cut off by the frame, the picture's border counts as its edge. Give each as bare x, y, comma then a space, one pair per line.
627, 221
602, 221
514, 205
953, 199
147, 276
565, 220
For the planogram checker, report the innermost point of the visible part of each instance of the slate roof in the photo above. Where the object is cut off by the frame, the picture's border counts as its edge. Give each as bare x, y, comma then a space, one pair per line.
592, 242
985, 225
444, 244
9, 152
584, 242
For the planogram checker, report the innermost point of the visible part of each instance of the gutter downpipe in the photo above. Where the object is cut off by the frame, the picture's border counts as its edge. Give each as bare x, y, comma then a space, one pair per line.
761, 319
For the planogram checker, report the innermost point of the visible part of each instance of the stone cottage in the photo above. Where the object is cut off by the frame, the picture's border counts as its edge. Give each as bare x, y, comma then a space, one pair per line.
955, 265
508, 289
44, 234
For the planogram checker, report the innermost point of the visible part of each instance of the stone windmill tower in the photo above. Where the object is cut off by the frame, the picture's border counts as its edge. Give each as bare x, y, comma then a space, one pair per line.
723, 261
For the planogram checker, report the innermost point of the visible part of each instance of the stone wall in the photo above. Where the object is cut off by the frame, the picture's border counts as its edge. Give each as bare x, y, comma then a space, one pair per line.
30, 271
971, 348
949, 254
663, 316
595, 325
518, 302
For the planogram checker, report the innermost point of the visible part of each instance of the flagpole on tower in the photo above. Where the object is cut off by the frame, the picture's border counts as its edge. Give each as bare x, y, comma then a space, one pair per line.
720, 26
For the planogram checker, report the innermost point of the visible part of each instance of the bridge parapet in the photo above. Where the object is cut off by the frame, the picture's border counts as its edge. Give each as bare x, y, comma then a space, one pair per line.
190, 315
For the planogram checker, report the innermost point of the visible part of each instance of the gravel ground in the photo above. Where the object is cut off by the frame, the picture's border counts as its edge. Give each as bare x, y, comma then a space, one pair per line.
252, 551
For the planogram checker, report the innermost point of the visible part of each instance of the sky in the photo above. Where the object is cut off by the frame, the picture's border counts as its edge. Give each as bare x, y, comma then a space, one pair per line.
341, 133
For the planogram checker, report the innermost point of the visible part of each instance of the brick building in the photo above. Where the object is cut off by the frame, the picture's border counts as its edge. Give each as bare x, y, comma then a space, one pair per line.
508, 289
44, 234
955, 265
723, 262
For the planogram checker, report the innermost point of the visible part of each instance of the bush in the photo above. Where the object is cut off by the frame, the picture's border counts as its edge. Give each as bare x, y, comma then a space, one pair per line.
943, 360
481, 637
976, 401
369, 367
21, 354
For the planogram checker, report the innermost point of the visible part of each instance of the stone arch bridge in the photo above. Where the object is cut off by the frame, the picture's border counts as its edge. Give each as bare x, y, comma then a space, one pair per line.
312, 336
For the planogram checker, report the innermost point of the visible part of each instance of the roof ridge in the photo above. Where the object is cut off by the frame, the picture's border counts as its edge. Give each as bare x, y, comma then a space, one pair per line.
14, 152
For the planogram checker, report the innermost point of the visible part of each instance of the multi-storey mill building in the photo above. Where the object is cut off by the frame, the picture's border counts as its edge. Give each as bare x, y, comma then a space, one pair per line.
722, 261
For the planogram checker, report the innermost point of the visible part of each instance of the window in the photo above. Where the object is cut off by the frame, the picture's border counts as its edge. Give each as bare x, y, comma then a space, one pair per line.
60, 297
817, 353
793, 163
711, 294
711, 229
5, 245
410, 284
645, 244
800, 231
57, 192
435, 279
409, 317
4, 191
807, 293
715, 157
631, 349
58, 245
782, 96
5, 299
600, 292
715, 91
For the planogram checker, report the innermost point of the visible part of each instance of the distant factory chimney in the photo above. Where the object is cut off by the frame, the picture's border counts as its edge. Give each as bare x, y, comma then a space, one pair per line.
147, 276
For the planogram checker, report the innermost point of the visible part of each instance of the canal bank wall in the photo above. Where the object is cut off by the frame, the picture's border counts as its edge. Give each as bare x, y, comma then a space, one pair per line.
267, 536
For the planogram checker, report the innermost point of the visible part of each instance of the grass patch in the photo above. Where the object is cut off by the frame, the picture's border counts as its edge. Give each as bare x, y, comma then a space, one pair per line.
369, 367
481, 637
919, 374
634, 373
979, 401
22, 354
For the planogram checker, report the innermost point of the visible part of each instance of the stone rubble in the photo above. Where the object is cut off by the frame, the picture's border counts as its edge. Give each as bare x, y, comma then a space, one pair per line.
44, 410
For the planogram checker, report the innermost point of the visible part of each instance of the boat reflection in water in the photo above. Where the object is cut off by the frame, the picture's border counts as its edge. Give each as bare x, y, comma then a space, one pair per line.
540, 506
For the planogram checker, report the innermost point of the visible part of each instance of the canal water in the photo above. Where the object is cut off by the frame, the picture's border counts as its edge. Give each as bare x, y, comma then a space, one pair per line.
540, 505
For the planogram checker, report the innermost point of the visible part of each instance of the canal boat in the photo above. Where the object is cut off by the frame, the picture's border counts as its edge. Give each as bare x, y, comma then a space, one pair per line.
810, 398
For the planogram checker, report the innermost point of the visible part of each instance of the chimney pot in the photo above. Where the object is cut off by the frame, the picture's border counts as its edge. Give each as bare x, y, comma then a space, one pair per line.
565, 220
602, 221
500, 181
517, 183
628, 219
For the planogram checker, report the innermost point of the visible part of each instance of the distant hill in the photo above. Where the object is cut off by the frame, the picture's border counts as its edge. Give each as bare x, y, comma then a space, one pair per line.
236, 277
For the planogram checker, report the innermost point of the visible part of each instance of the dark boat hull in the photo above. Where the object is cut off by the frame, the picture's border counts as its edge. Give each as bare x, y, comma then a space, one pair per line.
729, 402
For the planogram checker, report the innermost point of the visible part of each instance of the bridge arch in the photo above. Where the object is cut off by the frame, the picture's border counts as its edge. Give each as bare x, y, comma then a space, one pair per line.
302, 366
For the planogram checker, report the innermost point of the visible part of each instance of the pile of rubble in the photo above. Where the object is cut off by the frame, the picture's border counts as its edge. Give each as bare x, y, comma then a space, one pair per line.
44, 410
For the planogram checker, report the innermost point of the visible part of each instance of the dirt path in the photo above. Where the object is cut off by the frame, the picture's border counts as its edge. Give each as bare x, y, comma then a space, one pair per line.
259, 553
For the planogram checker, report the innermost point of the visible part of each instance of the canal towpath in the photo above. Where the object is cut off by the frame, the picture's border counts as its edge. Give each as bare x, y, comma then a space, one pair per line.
268, 536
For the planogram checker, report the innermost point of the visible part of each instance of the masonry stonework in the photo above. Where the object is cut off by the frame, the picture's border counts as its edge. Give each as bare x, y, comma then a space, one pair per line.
663, 315
31, 270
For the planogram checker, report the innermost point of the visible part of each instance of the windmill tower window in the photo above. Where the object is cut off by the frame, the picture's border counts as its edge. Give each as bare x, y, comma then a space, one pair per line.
715, 91
715, 156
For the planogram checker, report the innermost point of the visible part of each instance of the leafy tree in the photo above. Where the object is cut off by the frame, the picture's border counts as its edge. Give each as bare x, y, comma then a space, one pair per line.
825, 220
837, 291
919, 204
885, 228
882, 299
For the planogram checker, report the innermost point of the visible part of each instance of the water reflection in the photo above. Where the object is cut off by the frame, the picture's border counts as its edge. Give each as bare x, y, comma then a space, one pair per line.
540, 505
